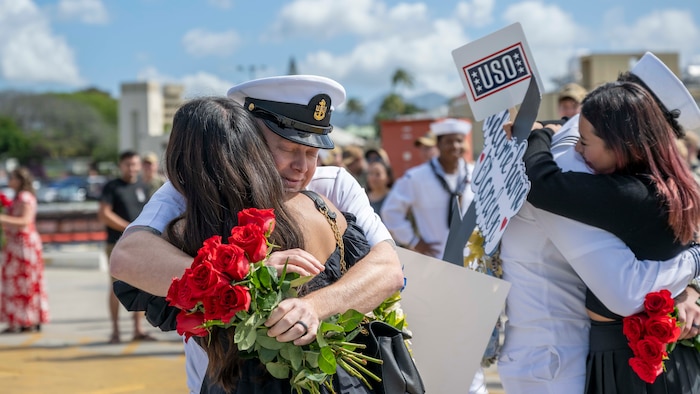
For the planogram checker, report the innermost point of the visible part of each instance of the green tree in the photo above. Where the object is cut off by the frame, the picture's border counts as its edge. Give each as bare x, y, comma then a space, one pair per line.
13, 142
354, 108
401, 78
394, 104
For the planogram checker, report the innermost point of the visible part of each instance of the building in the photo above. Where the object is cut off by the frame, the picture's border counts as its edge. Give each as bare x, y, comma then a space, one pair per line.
146, 115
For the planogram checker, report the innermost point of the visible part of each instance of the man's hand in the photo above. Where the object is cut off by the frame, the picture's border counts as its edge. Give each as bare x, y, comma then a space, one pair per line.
428, 249
688, 313
294, 319
298, 261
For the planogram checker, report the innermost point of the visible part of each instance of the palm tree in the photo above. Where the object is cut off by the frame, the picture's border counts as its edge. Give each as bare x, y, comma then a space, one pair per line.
354, 108
400, 78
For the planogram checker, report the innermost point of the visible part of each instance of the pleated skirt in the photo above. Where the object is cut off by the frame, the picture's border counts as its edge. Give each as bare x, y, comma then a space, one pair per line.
608, 370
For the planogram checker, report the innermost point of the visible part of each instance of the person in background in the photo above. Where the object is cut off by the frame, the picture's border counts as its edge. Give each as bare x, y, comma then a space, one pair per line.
150, 175
380, 179
121, 202
426, 146
330, 157
24, 302
569, 100
376, 154
354, 161
427, 192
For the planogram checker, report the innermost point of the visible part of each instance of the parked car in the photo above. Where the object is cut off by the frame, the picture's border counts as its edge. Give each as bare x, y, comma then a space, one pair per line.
72, 188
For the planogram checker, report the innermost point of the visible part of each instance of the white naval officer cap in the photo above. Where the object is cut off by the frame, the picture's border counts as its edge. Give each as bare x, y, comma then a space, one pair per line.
669, 89
295, 107
450, 126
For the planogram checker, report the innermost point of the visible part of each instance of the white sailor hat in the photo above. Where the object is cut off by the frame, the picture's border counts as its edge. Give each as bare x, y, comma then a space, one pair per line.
295, 107
450, 126
669, 89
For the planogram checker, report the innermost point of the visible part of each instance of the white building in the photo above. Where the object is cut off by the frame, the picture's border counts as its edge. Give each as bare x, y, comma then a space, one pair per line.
146, 115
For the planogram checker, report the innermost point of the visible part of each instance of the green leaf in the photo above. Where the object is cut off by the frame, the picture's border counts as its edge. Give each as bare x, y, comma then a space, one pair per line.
264, 277
269, 301
278, 370
245, 333
268, 342
300, 281
292, 353
330, 327
267, 355
326, 361
311, 358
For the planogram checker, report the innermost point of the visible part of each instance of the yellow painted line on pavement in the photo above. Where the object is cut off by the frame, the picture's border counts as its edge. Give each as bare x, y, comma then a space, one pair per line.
33, 338
130, 347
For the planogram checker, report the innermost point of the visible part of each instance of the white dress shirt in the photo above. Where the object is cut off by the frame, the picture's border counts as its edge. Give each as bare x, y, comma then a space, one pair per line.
420, 191
545, 257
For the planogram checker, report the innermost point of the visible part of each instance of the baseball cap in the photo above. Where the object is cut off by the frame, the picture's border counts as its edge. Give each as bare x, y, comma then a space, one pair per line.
669, 89
295, 107
572, 91
150, 157
426, 140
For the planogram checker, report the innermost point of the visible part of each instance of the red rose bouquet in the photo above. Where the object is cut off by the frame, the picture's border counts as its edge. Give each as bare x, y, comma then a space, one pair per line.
652, 335
228, 285
4, 204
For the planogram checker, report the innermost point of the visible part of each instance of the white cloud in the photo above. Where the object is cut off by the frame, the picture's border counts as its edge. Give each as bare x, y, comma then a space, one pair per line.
671, 30
321, 20
370, 65
29, 51
91, 12
200, 42
195, 85
553, 35
476, 13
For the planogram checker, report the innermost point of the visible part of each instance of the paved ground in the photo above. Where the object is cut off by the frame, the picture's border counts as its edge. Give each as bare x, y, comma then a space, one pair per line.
71, 354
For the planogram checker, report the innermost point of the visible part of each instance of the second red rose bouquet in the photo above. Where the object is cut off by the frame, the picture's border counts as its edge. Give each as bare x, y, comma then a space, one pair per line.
228, 285
652, 335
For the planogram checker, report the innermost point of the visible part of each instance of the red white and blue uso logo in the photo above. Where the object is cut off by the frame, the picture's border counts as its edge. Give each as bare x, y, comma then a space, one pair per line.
497, 71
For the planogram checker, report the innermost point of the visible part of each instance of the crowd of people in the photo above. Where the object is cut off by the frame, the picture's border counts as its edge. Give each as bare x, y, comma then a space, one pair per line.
612, 215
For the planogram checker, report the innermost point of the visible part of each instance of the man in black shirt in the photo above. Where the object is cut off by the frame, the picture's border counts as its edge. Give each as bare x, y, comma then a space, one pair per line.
121, 202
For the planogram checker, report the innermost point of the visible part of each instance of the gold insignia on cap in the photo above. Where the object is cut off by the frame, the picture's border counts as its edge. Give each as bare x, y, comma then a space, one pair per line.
251, 107
320, 111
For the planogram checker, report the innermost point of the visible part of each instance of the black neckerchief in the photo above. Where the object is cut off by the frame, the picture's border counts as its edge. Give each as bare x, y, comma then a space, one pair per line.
457, 193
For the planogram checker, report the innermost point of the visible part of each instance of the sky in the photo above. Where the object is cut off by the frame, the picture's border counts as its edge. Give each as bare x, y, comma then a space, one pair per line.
210, 45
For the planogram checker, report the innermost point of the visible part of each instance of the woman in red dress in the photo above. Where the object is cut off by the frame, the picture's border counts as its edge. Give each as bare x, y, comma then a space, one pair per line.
23, 301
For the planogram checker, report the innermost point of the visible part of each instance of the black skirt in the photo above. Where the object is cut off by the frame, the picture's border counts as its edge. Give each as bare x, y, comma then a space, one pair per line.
608, 370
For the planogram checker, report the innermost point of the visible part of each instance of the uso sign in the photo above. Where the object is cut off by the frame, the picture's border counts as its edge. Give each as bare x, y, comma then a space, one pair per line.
497, 71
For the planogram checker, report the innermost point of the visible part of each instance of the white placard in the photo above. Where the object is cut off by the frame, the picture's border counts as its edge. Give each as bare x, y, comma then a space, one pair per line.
496, 70
451, 311
500, 183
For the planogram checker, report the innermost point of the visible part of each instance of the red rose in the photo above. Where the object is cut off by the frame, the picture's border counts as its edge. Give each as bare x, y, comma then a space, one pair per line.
189, 324
251, 239
646, 371
663, 328
202, 279
208, 250
633, 327
179, 295
225, 302
6, 202
231, 260
650, 350
265, 218
658, 303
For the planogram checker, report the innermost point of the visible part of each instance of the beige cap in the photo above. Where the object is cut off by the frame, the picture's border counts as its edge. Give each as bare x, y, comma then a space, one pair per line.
427, 140
150, 157
572, 91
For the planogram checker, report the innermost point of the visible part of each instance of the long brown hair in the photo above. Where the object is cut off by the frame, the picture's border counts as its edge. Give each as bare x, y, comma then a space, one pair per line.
217, 158
626, 117
25, 178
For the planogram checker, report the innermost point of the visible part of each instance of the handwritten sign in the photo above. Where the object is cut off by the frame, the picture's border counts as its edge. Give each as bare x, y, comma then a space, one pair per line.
500, 183
495, 70
498, 73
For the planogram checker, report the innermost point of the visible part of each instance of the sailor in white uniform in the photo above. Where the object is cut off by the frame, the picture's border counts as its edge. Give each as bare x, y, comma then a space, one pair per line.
546, 336
427, 191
